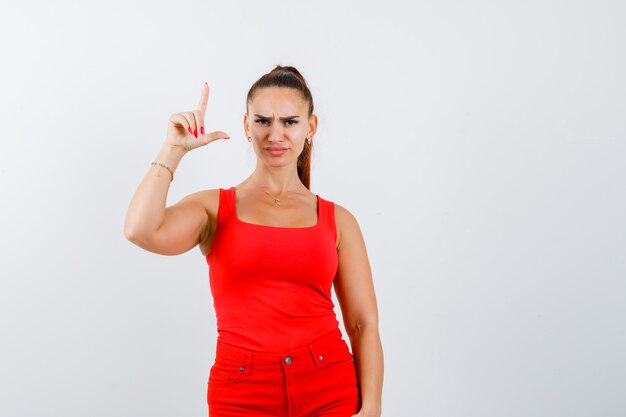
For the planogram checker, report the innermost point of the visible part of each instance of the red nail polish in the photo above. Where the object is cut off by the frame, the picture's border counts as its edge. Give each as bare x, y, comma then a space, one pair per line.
195, 133
202, 130
189, 129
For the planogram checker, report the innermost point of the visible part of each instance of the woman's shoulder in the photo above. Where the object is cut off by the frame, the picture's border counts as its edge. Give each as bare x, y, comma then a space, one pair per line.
343, 215
209, 199
205, 195
346, 223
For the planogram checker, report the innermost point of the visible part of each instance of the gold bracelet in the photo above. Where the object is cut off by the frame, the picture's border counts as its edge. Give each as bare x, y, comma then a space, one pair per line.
166, 167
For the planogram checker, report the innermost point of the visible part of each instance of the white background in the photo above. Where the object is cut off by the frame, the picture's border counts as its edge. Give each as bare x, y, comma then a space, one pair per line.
480, 144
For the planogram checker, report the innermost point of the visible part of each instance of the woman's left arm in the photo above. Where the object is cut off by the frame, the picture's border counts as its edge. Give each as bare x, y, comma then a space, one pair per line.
354, 288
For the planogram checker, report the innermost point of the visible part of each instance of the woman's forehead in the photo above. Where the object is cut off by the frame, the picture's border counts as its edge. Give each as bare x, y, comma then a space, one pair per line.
279, 99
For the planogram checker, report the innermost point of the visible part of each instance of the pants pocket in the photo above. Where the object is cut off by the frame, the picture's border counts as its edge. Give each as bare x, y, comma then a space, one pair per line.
224, 373
335, 355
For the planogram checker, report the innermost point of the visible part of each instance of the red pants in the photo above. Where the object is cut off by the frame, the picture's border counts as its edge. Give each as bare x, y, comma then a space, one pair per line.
316, 380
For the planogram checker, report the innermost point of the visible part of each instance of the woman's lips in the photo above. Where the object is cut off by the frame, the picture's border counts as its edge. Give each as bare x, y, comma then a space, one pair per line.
276, 151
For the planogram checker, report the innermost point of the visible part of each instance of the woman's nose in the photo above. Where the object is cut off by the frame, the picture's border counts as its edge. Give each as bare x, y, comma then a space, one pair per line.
276, 133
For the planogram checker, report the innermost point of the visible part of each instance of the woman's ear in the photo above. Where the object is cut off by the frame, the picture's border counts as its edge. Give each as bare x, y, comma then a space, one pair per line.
246, 128
312, 125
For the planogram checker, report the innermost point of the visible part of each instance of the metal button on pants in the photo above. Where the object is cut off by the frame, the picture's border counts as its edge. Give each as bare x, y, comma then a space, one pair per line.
316, 380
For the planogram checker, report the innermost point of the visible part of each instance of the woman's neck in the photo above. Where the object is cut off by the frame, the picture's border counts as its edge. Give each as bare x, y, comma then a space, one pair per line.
276, 182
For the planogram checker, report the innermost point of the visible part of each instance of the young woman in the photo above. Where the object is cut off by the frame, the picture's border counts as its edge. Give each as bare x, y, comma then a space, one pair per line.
274, 251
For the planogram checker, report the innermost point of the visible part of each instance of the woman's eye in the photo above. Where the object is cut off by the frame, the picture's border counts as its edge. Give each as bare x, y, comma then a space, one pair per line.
289, 122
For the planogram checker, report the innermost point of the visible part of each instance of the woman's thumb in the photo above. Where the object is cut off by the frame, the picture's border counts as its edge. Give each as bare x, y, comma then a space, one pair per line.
210, 137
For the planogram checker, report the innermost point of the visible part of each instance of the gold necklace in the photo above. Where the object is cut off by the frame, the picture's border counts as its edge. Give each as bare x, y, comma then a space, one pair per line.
276, 200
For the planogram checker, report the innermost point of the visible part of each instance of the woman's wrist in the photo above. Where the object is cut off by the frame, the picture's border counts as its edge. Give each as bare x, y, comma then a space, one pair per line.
169, 156
371, 409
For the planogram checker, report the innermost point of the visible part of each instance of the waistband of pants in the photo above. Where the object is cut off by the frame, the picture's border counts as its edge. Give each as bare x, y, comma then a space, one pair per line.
310, 352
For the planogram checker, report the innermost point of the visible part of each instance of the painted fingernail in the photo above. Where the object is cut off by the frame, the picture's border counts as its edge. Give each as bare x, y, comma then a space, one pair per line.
202, 130
189, 129
195, 133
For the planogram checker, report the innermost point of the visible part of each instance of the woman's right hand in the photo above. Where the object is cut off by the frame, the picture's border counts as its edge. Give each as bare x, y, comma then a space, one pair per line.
186, 129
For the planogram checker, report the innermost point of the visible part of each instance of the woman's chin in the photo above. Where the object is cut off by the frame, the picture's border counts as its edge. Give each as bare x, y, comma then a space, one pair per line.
278, 162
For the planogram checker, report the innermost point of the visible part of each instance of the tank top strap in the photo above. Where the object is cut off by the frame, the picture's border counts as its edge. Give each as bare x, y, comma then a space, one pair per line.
327, 215
226, 204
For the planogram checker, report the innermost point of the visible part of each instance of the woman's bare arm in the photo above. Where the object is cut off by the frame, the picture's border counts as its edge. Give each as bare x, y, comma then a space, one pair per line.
354, 288
176, 229
152, 226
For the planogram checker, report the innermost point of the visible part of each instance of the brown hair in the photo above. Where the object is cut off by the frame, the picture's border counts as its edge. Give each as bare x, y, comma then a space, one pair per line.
289, 77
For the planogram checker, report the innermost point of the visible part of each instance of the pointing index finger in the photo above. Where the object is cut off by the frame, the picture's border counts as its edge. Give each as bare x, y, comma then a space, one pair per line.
204, 98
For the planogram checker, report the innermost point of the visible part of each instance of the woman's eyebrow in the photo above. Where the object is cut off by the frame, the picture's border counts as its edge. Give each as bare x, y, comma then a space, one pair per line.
281, 118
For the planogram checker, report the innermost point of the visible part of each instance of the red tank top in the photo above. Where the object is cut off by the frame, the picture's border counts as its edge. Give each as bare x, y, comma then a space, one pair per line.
271, 285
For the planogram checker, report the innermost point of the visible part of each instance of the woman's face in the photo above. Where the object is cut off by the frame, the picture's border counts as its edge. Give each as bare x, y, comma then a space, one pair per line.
278, 122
